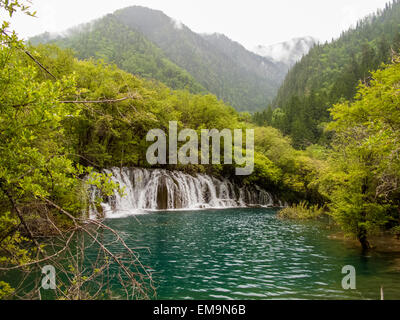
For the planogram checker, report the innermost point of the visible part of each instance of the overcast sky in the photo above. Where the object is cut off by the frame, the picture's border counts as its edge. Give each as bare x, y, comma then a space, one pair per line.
250, 22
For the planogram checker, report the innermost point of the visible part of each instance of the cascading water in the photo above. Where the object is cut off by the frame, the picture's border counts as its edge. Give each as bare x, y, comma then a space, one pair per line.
157, 189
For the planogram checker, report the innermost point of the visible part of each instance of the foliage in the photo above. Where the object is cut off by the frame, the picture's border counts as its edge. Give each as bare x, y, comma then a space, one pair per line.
359, 136
105, 135
51, 146
5, 290
362, 179
55, 139
301, 211
41, 186
16, 5
295, 172
33, 164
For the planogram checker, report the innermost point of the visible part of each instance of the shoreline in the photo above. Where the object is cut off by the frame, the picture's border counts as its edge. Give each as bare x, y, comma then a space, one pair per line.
383, 243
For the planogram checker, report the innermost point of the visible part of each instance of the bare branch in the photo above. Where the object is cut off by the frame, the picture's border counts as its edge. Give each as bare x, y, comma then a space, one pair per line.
96, 101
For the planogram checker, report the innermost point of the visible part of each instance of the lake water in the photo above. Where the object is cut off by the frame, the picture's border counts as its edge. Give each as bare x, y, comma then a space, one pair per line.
251, 254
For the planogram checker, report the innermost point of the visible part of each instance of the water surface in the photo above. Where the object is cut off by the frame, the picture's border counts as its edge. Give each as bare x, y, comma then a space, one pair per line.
251, 254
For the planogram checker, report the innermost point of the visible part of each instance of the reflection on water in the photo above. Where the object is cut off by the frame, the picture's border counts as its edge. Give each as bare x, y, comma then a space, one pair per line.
250, 254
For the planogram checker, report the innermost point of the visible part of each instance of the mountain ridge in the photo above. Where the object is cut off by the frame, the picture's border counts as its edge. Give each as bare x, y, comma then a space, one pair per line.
215, 68
108, 39
202, 61
330, 73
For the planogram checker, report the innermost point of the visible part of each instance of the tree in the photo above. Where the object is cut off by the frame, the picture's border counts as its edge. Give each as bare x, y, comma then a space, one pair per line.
43, 189
362, 180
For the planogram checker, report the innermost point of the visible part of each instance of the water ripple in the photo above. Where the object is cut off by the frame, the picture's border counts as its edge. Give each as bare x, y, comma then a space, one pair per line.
249, 254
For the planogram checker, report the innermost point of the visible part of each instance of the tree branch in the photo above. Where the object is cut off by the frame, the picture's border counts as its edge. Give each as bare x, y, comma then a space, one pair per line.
97, 101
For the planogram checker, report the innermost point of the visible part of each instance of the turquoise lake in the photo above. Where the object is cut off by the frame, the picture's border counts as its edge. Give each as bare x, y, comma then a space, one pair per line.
251, 254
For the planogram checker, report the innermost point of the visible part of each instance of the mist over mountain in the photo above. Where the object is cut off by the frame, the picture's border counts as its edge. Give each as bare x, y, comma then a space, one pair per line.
222, 66
331, 72
288, 52
148, 43
247, 60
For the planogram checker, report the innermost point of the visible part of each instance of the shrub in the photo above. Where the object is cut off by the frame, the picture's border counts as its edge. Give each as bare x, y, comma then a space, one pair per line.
302, 211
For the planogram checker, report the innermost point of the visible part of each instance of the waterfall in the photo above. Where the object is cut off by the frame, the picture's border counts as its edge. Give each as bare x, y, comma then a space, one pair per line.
148, 190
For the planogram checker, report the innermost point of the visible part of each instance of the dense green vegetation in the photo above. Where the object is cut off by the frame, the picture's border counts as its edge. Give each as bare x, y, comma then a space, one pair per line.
359, 179
42, 187
105, 135
301, 211
363, 172
64, 118
329, 73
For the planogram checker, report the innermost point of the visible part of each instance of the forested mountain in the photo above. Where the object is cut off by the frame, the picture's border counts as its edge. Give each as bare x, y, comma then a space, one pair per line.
148, 43
222, 66
331, 72
111, 40
288, 52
